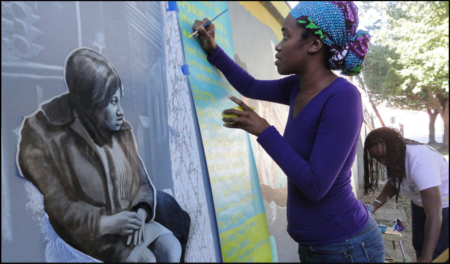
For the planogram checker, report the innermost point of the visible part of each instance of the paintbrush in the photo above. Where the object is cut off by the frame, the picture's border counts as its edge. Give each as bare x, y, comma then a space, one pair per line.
209, 22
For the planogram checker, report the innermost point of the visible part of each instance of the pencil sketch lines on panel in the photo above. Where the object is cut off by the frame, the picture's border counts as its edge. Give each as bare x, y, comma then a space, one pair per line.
186, 167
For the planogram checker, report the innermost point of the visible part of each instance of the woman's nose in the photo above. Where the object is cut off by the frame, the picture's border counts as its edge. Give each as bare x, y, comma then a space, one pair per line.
119, 111
278, 47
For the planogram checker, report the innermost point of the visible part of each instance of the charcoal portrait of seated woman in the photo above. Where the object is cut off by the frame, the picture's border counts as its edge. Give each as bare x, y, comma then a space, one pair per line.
81, 154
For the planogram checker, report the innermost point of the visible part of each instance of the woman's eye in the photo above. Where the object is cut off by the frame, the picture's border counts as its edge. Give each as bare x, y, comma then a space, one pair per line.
114, 101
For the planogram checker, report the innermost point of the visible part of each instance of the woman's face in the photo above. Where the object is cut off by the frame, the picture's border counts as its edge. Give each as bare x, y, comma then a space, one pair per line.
113, 113
292, 50
378, 152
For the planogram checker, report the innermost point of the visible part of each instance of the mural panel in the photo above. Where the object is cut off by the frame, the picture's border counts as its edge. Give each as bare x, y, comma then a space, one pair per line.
231, 167
97, 159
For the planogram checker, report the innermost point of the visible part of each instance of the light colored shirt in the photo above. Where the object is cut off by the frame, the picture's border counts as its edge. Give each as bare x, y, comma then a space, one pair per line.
118, 173
425, 168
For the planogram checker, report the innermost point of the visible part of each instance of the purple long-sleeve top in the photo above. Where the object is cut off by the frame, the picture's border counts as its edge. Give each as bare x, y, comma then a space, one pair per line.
316, 152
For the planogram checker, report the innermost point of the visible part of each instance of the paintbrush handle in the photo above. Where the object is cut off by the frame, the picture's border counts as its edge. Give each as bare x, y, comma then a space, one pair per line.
216, 17
210, 21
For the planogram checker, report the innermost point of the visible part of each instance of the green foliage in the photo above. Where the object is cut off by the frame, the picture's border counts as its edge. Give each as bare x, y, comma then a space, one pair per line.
381, 76
410, 53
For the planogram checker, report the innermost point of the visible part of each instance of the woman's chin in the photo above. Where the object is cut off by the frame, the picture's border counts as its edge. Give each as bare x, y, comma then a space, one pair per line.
281, 72
278, 69
115, 127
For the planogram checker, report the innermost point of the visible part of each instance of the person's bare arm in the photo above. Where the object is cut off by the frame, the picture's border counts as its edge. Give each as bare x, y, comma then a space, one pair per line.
389, 190
432, 205
278, 195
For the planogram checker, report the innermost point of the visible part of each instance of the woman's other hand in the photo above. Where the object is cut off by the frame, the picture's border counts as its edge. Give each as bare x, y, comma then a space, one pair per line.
375, 206
423, 260
123, 223
139, 235
206, 36
247, 120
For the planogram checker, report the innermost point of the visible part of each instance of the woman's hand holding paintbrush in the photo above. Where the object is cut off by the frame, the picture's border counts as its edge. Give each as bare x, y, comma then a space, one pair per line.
206, 36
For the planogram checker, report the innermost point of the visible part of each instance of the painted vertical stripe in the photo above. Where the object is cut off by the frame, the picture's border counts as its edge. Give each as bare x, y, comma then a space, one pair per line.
6, 203
77, 6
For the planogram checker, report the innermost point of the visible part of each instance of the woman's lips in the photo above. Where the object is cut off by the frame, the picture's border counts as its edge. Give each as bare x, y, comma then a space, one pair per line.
277, 60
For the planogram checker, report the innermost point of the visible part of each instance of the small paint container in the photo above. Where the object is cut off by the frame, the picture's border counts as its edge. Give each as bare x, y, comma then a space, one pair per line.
234, 116
382, 228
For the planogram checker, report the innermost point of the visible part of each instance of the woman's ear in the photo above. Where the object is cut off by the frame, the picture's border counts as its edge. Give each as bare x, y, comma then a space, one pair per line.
315, 45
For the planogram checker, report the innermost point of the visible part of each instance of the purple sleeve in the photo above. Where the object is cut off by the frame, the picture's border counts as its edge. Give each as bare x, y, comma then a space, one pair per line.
339, 128
277, 91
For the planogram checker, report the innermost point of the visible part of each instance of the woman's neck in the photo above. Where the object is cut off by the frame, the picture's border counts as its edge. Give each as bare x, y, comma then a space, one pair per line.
315, 80
97, 130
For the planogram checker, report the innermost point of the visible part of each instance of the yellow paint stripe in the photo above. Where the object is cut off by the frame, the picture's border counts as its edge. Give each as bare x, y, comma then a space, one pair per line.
261, 13
282, 7
443, 257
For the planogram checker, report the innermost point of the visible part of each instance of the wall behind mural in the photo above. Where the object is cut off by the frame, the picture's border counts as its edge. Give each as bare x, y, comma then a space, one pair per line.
141, 40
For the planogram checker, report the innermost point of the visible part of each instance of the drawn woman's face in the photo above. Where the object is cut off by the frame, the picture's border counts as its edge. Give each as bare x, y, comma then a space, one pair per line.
113, 113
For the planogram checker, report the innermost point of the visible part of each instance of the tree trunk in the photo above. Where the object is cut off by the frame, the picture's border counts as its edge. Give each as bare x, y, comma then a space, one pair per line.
363, 83
376, 110
445, 119
431, 127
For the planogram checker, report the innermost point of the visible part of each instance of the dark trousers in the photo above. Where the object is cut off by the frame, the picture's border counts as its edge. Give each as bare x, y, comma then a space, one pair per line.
418, 231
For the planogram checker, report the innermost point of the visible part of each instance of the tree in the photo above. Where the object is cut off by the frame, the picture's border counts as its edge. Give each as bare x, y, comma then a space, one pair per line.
383, 83
413, 39
432, 115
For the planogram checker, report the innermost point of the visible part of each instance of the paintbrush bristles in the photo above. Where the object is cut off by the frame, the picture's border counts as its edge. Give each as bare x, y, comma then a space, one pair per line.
190, 36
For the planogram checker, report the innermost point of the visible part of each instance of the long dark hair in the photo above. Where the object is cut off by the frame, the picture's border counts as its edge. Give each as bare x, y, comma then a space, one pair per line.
395, 158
